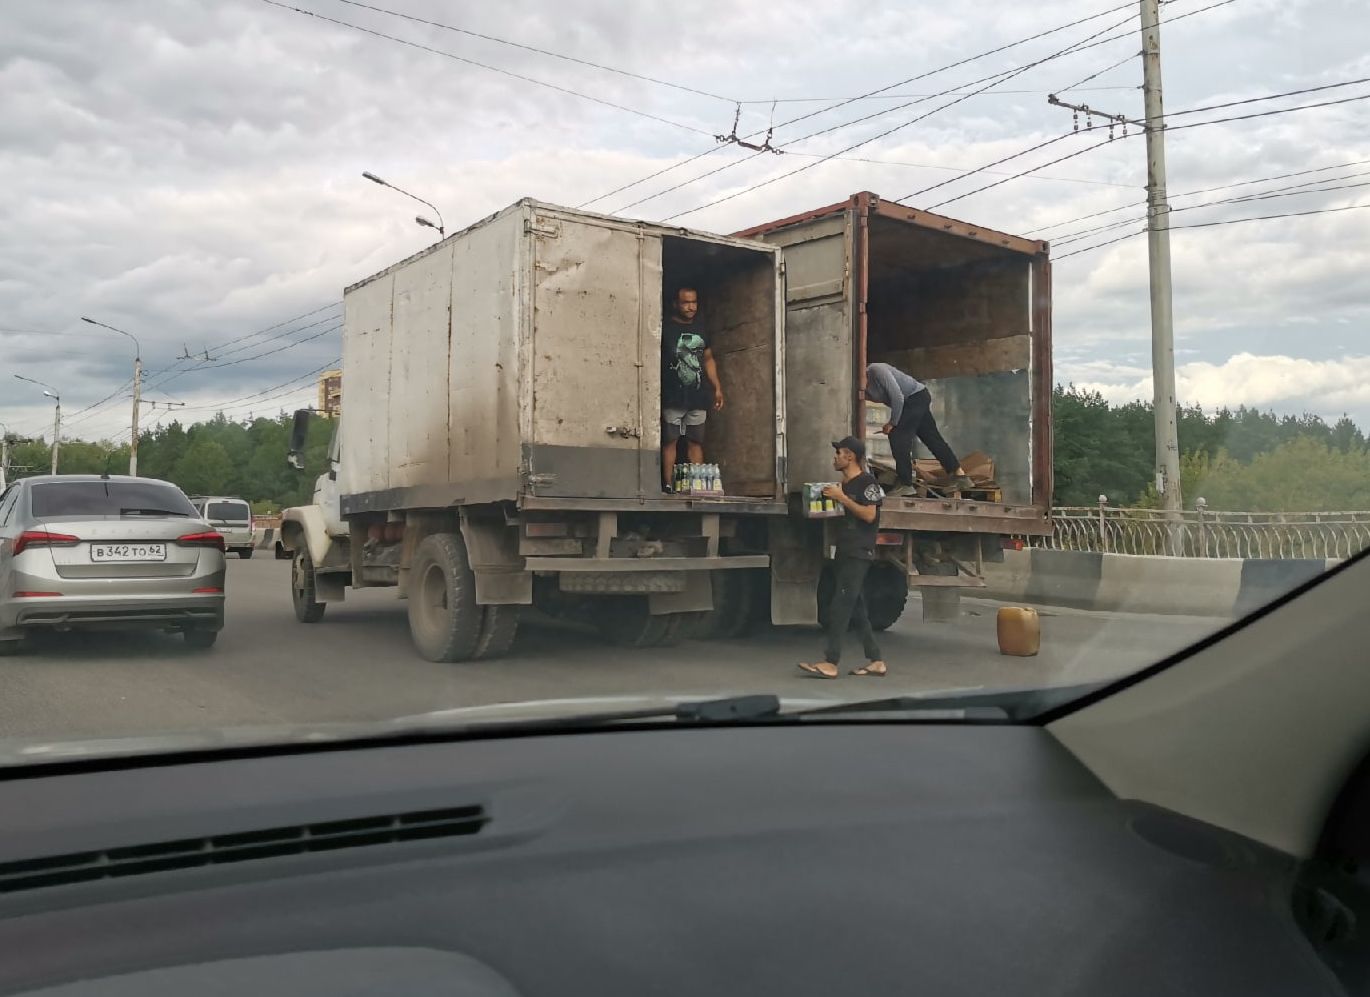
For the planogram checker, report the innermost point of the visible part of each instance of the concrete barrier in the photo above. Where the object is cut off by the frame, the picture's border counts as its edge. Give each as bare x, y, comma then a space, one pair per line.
263, 537
1130, 583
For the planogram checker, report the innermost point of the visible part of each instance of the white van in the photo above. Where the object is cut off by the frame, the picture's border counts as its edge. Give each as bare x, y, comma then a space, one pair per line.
230, 516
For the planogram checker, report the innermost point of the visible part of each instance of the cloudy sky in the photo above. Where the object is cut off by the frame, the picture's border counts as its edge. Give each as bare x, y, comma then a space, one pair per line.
189, 170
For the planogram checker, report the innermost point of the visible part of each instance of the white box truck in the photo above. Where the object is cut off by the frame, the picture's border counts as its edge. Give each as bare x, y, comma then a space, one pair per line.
499, 444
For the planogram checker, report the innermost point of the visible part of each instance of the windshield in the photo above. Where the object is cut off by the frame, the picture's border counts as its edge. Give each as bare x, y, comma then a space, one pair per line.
913, 351
57, 499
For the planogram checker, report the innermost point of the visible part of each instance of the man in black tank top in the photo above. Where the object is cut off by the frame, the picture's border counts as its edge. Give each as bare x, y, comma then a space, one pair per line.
860, 496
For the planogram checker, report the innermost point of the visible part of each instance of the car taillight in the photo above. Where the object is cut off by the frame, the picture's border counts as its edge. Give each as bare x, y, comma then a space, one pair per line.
42, 538
207, 590
207, 539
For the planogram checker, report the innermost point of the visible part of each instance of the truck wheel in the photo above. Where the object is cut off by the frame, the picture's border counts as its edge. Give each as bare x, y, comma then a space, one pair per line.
444, 619
303, 593
734, 598
625, 621
497, 631
245, 553
886, 591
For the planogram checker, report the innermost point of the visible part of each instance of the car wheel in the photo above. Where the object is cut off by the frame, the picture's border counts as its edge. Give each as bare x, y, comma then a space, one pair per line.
201, 640
444, 619
303, 593
245, 553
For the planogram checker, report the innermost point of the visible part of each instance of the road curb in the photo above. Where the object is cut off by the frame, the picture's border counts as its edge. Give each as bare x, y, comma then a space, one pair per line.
1132, 583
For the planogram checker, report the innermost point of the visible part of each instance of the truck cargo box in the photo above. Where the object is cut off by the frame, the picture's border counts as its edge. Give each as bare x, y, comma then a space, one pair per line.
518, 360
964, 309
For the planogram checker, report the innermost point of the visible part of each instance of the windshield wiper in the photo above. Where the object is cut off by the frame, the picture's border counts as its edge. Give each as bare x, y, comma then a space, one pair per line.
1016, 705
143, 511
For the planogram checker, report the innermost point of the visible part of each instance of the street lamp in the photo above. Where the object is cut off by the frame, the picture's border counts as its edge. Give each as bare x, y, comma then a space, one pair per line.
419, 219
50, 392
137, 390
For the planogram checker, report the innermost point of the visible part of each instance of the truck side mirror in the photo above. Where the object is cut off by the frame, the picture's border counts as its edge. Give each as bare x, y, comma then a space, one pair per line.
299, 434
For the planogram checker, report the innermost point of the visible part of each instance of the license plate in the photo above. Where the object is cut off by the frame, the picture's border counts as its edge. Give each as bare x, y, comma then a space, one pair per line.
104, 553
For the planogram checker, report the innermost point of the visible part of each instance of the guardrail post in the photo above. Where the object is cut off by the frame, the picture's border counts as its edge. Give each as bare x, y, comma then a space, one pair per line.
1103, 528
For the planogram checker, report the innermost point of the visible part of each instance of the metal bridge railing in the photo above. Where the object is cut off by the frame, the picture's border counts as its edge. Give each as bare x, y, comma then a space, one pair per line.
1203, 532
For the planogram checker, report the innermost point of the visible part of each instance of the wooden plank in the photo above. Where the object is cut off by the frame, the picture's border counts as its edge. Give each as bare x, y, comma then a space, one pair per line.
965, 359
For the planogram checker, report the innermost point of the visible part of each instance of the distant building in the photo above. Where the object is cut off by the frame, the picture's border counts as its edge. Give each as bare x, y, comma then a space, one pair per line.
330, 394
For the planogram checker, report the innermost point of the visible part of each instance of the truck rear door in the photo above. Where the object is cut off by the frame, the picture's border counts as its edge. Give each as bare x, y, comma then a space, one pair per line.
595, 366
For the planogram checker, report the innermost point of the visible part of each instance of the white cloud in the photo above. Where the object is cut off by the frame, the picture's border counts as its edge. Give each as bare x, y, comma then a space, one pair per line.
190, 171
1324, 387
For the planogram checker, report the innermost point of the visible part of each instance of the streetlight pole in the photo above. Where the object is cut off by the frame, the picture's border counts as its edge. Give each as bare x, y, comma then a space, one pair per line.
420, 220
51, 392
137, 390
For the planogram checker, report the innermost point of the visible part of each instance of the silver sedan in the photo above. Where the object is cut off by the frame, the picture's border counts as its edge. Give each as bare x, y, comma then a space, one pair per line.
107, 552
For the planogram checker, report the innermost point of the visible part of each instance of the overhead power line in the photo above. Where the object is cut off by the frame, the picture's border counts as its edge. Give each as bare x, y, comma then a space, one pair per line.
541, 51
1243, 199
865, 96
905, 96
1107, 69
166, 375
1201, 190
1272, 96
494, 69
1225, 221
1086, 43
994, 81
1196, 124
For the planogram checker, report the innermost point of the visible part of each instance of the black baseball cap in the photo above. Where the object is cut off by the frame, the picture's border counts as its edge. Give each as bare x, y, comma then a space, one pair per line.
853, 444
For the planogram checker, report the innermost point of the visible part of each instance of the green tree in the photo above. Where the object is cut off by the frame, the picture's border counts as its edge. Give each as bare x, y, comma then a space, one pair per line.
204, 469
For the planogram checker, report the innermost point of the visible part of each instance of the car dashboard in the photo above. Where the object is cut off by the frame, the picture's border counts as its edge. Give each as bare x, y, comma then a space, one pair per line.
848, 858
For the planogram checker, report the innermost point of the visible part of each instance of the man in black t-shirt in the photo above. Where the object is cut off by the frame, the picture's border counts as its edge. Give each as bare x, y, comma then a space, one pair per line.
860, 496
689, 383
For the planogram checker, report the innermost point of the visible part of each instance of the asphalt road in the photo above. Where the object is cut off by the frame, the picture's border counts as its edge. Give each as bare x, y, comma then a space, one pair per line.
358, 664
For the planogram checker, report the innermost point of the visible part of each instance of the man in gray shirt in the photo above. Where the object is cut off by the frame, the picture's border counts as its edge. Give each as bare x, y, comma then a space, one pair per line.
910, 417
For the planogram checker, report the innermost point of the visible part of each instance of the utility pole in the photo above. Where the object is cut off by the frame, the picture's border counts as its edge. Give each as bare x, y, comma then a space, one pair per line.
1158, 259
137, 403
1158, 256
56, 431
4, 457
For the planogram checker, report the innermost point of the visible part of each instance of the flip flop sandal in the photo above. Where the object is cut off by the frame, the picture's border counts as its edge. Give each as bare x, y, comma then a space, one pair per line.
815, 671
869, 672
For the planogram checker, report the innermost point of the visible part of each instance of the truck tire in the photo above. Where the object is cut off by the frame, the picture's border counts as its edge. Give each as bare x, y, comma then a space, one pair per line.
308, 609
734, 602
498, 629
887, 592
626, 621
444, 619
245, 553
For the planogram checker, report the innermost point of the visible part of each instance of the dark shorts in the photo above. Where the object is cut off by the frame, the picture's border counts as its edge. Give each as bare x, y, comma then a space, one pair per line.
678, 422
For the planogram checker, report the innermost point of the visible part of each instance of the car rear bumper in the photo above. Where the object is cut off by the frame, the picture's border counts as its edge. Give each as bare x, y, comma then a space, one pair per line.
72, 612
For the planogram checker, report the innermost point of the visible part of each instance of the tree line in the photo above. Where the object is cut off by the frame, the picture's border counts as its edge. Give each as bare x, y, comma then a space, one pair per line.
1241, 459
